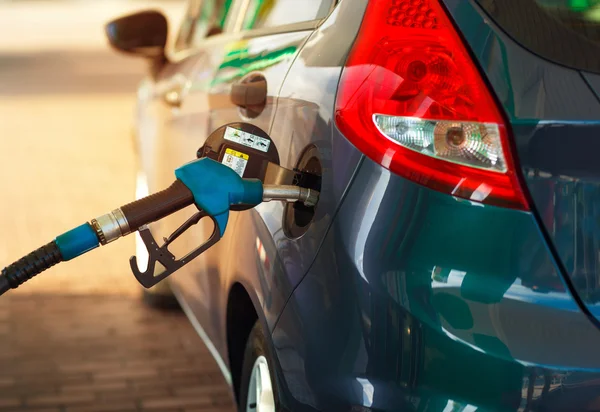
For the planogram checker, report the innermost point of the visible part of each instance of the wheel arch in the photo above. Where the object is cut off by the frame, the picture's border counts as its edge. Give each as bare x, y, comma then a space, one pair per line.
241, 315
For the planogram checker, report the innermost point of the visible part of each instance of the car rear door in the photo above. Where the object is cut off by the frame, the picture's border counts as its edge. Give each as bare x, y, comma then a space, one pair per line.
264, 41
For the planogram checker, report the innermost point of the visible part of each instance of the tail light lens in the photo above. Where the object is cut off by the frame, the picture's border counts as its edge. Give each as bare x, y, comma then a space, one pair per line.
412, 100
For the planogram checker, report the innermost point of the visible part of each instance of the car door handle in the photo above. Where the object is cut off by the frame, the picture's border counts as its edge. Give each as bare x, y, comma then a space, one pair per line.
252, 92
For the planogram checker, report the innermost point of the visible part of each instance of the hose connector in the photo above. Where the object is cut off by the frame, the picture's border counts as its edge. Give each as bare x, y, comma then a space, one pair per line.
111, 226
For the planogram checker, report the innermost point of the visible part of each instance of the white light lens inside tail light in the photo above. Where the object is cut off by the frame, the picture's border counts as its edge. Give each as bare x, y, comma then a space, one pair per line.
467, 143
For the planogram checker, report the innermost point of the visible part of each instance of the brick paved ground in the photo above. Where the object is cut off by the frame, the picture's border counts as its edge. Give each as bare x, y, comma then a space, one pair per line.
77, 337
100, 353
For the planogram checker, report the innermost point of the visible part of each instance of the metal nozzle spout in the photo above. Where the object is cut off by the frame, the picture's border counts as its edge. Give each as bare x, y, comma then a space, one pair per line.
289, 193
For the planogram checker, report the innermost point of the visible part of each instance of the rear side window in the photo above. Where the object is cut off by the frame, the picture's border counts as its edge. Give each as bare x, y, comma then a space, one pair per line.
271, 13
204, 18
564, 31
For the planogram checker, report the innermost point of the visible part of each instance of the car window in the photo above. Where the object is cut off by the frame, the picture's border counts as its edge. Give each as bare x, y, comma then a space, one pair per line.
271, 13
211, 19
564, 31
203, 18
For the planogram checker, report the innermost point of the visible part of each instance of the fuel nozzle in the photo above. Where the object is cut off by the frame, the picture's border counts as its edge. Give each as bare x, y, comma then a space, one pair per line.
211, 186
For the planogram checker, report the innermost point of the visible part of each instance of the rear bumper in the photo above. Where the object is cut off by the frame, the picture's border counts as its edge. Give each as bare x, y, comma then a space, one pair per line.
417, 298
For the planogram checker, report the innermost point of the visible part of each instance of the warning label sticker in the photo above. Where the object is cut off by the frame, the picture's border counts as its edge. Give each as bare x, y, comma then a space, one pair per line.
235, 160
247, 139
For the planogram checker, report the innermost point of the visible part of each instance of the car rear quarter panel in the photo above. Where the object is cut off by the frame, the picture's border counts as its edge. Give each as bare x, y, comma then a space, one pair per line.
418, 298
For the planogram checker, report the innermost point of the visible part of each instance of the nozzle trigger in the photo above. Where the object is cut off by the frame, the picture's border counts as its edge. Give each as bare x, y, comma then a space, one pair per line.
161, 254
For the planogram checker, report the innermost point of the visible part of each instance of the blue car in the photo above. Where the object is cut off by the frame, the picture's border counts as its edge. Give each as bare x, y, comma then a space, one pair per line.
452, 261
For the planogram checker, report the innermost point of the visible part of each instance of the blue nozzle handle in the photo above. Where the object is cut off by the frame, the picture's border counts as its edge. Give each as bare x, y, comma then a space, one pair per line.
216, 188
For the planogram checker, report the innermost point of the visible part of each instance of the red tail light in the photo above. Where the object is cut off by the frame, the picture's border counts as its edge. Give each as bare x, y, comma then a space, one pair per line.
412, 100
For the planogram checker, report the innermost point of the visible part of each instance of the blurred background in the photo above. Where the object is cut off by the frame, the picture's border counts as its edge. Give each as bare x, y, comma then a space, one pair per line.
79, 338
66, 112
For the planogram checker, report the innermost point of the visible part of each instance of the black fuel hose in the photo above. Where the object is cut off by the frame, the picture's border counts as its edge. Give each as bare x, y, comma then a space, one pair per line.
27, 267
